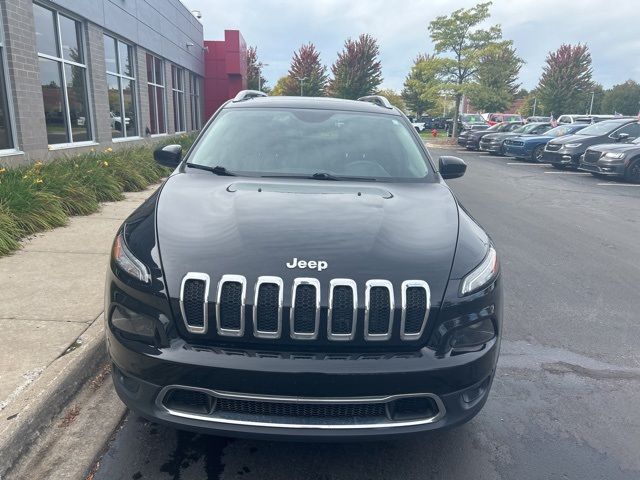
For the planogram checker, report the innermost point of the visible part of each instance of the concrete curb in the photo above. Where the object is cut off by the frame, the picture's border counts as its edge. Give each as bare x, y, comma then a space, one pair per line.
23, 421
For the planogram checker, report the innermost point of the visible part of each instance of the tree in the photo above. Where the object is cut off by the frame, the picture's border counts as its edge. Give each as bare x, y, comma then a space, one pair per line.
255, 80
459, 36
565, 85
357, 71
623, 98
496, 84
423, 85
394, 97
280, 86
306, 65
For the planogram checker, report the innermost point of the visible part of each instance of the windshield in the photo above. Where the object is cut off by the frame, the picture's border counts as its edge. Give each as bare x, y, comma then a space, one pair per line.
471, 118
512, 118
563, 130
304, 142
602, 128
497, 127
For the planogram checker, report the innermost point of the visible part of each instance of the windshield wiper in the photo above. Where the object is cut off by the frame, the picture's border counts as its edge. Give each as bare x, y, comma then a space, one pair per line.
320, 176
324, 176
218, 170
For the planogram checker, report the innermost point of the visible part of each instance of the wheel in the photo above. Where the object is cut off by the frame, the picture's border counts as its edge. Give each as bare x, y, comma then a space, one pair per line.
632, 174
503, 150
537, 154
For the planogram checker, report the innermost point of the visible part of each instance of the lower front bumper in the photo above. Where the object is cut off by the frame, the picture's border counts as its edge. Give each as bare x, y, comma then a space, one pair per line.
562, 159
608, 170
458, 385
517, 152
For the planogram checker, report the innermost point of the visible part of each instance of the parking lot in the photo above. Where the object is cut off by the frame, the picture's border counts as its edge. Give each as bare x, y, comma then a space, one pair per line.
564, 402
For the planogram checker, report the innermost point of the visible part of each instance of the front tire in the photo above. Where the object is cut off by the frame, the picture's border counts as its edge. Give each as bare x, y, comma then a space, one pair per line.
537, 154
632, 175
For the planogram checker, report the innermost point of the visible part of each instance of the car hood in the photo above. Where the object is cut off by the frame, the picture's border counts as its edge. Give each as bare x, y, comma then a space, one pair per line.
535, 138
583, 139
615, 147
254, 227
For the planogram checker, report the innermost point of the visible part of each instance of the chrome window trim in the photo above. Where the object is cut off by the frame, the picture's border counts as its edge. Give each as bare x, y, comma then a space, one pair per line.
367, 304
229, 332
342, 282
297, 335
405, 286
269, 398
205, 305
268, 280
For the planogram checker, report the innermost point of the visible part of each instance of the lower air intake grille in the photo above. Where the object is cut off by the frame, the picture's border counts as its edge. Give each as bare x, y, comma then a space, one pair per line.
301, 410
231, 305
193, 302
379, 310
416, 309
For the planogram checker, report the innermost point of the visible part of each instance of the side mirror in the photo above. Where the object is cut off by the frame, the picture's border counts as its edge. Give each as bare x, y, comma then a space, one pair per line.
452, 167
168, 156
622, 137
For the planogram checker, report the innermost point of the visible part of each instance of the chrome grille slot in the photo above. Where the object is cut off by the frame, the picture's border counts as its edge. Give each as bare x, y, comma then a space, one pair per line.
343, 309
305, 308
267, 308
230, 305
379, 308
416, 302
194, 298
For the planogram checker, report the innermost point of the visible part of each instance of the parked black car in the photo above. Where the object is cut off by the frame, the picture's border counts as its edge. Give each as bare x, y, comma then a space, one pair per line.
566, 151
473, 137
343, 293
464, 134
494, 143
614, 160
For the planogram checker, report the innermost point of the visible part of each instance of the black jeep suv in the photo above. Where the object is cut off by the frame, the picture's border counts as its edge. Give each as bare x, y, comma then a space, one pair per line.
567, 151
304, 272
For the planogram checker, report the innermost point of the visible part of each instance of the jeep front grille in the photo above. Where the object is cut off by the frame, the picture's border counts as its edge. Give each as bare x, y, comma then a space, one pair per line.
305, 316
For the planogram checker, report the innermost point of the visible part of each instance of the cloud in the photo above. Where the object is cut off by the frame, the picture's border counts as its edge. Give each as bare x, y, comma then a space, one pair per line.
278, 27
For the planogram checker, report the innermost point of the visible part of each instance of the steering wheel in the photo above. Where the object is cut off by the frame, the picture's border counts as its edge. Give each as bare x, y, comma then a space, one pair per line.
365, 167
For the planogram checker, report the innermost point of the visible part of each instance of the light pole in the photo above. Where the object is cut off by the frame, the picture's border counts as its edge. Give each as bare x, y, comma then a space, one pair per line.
301, 79
591, 106
535, 104
260, 75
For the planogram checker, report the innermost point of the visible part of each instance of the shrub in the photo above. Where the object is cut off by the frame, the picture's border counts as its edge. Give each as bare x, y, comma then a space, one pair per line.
43, 196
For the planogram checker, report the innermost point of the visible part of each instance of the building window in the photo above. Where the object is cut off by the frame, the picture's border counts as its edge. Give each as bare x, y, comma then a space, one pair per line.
155, 79
6, 134
63, 76
121, 85
194, 97
177, 85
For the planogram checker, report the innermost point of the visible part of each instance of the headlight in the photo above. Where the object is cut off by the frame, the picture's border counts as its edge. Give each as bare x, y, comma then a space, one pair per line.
614, 155
482, 275
127, 262
473, 335
572, 145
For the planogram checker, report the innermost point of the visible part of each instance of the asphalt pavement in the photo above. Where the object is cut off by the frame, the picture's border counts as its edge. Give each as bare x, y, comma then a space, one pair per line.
564, 404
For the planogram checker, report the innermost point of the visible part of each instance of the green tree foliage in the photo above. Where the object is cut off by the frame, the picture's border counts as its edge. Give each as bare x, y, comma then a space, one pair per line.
423, 85
394, 97
496, 84
623, 98
357, 70
280, 86
458, 35
566, 85
306, 65
254, 70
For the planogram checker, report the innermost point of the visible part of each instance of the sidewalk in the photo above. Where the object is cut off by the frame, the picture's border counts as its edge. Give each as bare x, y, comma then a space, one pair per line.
52, 303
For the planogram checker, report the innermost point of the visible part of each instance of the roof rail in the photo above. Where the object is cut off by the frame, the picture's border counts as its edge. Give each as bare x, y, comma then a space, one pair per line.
379, 100
247, 95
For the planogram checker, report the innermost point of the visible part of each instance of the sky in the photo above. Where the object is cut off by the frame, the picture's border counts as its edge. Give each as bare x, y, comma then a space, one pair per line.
279, 27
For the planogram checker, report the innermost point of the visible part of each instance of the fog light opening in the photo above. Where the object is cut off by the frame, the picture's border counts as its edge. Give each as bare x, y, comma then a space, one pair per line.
412, 408
190, 401
472, 395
